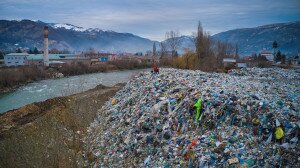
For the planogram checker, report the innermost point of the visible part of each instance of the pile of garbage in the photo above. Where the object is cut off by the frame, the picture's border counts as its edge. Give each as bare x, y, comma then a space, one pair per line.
185, 118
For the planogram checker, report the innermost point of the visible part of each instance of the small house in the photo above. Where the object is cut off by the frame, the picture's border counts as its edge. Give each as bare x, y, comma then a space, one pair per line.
2, 64
103, 59
241, 65
268, 54
15, 59
70, 59
229, 62
296, 61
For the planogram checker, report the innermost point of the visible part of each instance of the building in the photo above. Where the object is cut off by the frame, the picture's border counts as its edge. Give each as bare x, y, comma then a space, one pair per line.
229, 62
268, 54
112, 57
2, 64
295, 61
103, 59
241, 65
61, 59
248, 58
16, 59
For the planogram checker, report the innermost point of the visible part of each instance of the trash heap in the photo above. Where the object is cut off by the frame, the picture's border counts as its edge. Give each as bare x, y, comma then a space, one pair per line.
184, 118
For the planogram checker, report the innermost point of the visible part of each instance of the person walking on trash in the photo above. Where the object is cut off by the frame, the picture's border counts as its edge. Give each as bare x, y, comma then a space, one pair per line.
198, 109
155, 69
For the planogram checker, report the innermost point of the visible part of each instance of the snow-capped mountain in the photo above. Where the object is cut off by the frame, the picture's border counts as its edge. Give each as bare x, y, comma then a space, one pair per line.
29, 34
67, 26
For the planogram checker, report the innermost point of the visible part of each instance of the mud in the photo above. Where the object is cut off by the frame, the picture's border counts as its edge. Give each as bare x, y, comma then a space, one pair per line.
48, 133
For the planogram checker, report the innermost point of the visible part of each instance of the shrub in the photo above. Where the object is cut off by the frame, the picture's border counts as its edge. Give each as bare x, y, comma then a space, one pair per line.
11, 76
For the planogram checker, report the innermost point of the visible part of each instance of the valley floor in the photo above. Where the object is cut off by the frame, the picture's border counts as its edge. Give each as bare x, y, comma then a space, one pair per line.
175, 118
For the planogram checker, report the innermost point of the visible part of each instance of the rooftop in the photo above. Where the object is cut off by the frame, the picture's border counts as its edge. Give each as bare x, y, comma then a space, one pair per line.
229, 60
266, 52
17, 54
52, 56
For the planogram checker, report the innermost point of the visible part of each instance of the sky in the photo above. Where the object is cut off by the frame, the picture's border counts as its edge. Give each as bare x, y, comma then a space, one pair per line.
152, 18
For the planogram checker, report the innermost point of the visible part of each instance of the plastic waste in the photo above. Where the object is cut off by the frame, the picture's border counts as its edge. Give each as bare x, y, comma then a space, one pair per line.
150, 122
233, 161
147, 160
279, 133
113, 101
269, 139
277, 123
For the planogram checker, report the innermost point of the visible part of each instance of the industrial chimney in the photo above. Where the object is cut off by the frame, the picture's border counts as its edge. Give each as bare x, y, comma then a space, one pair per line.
46, 58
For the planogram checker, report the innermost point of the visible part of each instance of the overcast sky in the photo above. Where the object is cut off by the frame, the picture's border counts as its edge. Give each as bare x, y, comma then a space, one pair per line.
152, 18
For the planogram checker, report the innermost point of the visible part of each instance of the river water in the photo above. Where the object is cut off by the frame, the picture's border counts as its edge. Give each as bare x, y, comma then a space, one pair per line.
45, 89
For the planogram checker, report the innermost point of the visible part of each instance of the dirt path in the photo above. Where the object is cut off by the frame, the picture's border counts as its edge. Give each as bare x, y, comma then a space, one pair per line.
47, 134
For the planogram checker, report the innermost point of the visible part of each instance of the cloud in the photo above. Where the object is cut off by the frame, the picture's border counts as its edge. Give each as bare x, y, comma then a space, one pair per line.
152, 18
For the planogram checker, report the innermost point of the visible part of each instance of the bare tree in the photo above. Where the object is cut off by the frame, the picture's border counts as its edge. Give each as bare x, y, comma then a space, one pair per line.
187, 57
204, 50
230, 50
173, 41
203, 43
163, 50
154, 49
221, 49
236, 51
199, 41
154, 53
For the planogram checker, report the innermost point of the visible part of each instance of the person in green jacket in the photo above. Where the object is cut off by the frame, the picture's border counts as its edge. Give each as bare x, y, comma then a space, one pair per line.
198, 109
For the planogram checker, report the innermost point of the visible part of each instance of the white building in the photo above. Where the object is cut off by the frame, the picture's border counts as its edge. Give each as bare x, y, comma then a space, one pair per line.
241, 65
229, 62
15, 59
296, 60
268, 54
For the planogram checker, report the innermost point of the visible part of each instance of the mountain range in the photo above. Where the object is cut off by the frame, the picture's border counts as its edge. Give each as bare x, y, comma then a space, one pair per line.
252, 40
29, 34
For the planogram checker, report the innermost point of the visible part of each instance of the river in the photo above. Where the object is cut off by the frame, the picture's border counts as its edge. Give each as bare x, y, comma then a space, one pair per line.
45, 89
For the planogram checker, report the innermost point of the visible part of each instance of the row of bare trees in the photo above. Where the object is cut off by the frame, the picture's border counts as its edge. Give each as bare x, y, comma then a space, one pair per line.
208, 54
11, 77
171, 44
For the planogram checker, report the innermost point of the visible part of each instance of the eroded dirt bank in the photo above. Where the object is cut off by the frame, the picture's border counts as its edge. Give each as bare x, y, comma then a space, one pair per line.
47, 134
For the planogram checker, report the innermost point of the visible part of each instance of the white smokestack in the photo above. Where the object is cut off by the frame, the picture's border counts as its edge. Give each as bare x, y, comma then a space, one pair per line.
46, 58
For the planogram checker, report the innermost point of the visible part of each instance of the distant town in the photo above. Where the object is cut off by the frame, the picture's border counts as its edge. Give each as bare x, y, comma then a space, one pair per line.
26, 65
58, 58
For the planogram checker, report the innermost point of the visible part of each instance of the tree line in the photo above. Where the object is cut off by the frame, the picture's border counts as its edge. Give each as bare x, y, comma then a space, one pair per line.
207, 56
278, 56
208, 53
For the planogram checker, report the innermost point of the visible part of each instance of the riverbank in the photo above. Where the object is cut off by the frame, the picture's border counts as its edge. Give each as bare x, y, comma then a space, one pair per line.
47, 134
11, 78
50, 88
